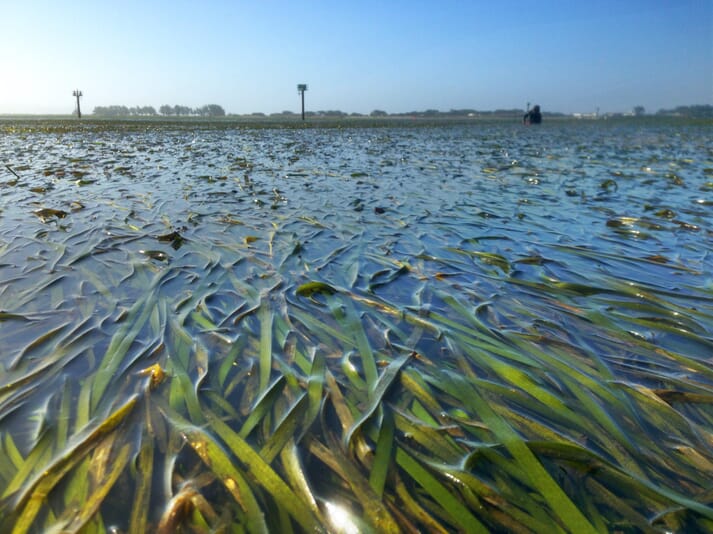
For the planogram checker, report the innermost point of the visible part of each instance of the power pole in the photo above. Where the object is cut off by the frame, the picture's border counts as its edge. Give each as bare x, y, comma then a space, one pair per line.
301, 88
78, 93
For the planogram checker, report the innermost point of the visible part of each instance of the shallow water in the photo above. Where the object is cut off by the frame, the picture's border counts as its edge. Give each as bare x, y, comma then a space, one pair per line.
583, 243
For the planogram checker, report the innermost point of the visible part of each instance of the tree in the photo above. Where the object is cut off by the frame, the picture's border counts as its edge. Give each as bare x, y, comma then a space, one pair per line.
111, 111
378, 113
700, 111
639, 111
211, 110
179, 110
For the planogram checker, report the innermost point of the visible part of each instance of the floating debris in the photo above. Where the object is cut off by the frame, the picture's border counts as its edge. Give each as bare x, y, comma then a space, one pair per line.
158, 255
50, 214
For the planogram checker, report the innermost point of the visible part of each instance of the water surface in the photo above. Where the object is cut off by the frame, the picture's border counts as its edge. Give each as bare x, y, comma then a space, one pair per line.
520, 317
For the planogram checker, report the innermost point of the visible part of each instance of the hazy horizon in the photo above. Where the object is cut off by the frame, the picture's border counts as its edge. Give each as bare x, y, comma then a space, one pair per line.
89, 112
396, 56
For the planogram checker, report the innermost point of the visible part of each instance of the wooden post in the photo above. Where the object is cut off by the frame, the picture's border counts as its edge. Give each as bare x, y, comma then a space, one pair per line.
78, 93
301, 88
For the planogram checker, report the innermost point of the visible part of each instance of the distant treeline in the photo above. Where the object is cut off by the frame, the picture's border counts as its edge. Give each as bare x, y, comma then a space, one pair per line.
209, 110
214, 110
694, 112
429, 113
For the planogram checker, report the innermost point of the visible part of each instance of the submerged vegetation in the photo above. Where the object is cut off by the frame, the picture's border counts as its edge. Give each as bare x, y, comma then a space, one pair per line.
459, 328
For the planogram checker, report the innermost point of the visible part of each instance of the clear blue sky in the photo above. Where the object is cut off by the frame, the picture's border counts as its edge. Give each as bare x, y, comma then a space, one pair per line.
398, 56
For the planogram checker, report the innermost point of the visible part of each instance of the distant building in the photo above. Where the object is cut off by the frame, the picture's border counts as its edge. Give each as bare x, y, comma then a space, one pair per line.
594, 115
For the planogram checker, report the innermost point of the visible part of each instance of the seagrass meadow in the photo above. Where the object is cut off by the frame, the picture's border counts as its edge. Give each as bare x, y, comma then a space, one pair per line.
483, 327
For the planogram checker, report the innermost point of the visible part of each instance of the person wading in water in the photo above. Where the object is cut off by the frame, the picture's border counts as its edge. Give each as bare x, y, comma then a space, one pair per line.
533, 116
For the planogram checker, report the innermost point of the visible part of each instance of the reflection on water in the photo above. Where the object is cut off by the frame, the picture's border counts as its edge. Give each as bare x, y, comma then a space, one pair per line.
340, 520
522, 252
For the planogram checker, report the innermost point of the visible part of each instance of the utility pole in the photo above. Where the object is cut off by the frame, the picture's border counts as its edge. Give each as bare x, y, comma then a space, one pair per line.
301, 88
78, 93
